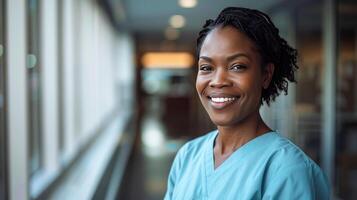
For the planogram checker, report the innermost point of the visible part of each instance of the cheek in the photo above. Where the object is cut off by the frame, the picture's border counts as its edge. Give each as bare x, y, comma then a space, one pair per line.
197, 86
252, 85
200, 84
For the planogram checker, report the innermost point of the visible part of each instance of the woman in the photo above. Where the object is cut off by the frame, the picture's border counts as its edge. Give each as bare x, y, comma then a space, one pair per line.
242, 62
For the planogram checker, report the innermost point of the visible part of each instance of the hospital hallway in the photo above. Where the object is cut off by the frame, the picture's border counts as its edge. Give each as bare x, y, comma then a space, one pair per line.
152, 156
97, 96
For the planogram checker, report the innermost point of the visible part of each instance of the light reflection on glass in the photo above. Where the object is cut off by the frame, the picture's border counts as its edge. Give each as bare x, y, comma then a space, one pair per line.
153, 138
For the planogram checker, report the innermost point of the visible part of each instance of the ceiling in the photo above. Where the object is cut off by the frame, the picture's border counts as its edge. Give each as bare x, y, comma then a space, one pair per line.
147, 19
153, 15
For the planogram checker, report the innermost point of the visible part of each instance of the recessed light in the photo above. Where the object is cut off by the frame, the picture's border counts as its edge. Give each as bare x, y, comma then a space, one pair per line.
187, 3
177, 21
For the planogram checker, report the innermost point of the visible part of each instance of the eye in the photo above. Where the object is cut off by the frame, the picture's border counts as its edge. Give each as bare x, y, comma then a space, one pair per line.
205, 68
238, 67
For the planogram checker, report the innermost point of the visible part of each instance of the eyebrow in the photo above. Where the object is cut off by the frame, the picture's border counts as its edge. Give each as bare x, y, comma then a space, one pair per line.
206, 58
237, 55
229, 58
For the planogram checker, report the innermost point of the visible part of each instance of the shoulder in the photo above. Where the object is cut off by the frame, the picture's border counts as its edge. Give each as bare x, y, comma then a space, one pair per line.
200, 141
197, 145
292, 172
192, 150
289, 155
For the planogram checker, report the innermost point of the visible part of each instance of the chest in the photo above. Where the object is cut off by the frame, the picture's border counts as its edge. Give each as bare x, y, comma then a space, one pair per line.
199, 180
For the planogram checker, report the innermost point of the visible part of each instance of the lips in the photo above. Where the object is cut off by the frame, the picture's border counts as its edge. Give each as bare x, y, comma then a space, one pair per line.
222, 101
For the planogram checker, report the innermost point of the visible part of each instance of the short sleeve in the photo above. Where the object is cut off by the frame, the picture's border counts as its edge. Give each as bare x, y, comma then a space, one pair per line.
174, 173
298, 182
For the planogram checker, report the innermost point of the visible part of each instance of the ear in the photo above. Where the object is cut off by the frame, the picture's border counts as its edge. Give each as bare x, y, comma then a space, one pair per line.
268, 74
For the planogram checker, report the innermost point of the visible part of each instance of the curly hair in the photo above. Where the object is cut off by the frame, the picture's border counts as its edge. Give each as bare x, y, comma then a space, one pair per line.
272, 48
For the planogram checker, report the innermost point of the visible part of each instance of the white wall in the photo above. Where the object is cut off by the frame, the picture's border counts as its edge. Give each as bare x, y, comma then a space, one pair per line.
50, 98
96, 59
17, 137
97, 76
96, 62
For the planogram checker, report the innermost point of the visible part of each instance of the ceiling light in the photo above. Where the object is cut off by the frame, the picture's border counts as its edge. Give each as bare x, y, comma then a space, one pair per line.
167, 60
187, 3
177, 21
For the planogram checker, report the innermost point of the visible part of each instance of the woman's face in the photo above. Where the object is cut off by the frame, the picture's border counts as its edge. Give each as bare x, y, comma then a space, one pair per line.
230, 78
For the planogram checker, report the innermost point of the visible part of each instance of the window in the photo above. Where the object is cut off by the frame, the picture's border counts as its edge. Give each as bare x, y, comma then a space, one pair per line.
34, 86
309, 96
346, 136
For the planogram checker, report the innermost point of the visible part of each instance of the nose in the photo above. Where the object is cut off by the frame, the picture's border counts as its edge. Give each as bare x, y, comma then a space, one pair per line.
220, 79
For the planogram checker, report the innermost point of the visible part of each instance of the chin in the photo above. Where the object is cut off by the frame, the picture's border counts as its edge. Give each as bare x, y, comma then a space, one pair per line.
221, 124
224, 122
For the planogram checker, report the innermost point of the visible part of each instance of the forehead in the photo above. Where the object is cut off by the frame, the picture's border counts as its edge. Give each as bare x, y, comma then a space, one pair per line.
227, 40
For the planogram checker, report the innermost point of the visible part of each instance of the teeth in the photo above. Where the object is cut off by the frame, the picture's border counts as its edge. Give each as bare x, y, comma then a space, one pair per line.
222, 99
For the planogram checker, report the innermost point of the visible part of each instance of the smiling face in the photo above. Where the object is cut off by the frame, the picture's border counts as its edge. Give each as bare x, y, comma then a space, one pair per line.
230, 78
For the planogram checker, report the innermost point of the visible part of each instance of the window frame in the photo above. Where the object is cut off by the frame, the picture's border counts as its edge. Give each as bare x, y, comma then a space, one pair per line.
3, 107
35, 112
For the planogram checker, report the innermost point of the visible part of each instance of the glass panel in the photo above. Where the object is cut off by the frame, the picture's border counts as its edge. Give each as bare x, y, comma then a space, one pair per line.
309, 42
2, 106
34, 83
346, 140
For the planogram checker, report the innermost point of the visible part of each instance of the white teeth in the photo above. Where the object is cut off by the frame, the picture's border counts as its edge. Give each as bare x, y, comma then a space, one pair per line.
222, 99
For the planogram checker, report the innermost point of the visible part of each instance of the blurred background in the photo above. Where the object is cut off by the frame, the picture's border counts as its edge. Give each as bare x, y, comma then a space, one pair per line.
97, 96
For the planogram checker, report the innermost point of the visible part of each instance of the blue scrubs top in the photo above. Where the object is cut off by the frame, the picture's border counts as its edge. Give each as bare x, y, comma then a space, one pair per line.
267, 167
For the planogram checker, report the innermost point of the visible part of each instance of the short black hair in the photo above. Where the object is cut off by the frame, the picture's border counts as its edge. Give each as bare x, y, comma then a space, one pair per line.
272, 48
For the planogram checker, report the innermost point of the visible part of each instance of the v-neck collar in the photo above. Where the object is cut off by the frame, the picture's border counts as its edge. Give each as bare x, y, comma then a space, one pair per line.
240, 153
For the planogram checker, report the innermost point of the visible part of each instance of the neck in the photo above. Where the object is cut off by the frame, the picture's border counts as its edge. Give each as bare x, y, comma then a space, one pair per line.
231, 138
